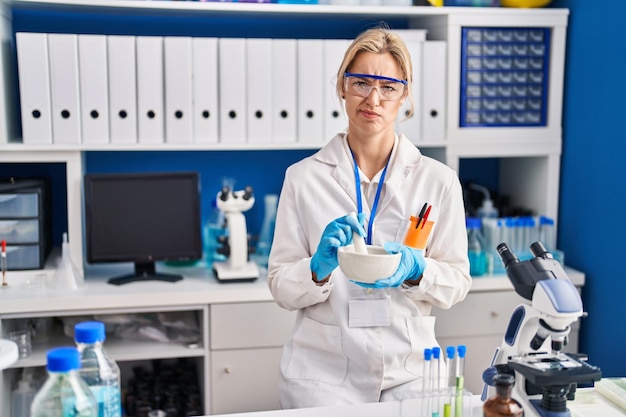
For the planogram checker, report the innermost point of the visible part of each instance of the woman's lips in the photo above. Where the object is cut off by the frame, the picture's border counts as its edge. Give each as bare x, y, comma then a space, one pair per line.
369, 114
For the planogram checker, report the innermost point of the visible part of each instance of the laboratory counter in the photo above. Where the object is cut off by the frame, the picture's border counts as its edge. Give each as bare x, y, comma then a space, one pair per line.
241, 330
26, 294
588, 403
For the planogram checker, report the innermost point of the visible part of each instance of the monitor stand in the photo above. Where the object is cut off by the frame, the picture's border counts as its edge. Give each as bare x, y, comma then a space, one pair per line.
144, 271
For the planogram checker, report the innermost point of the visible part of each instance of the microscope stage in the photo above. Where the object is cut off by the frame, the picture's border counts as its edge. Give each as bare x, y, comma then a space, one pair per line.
548, 369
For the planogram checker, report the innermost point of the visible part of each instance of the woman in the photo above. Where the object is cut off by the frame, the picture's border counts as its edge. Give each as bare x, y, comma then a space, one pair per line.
355, 343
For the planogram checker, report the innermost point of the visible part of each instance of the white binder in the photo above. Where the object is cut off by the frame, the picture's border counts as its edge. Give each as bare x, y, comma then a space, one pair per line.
310, 95
150, 94
178, 97
284, 84
232, 90
33, 72
122, 89
64, 91
335, 120
434, 91
205, 102
259, 91
94, 95
412, 127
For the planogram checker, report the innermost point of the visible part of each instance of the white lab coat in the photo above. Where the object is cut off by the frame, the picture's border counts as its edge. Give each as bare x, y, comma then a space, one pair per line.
325, 361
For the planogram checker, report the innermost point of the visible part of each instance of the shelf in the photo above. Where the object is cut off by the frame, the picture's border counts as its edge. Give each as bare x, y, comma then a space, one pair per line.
489, 283
198, 288
120, 351
290, 9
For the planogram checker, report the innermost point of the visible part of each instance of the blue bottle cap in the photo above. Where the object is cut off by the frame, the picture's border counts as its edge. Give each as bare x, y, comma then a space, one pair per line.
89, 332
543, 220
462, 349
450, 352
436, 352
63, 359
428, 353
473, 223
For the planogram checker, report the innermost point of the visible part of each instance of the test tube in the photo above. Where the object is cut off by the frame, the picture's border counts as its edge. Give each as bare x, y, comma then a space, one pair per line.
447, 406
436, 375
450, 353
460, 380
427, 382
547, 231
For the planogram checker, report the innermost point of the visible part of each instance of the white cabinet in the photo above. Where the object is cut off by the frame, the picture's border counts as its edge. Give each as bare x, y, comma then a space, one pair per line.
246, 345
125, 344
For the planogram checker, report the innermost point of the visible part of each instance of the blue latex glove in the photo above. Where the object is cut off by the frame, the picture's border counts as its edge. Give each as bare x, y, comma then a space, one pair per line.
337, 233
412, 265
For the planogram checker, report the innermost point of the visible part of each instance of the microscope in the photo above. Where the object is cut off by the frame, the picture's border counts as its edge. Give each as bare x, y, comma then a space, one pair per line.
237, 267
545, 377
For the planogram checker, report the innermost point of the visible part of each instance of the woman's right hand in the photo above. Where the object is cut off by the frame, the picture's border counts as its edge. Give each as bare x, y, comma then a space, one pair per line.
337, 233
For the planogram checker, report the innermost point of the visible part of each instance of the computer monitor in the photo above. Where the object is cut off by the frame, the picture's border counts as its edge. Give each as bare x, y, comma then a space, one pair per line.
143, 218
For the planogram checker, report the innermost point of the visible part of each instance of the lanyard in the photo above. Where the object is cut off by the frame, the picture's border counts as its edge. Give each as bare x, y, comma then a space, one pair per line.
357, 178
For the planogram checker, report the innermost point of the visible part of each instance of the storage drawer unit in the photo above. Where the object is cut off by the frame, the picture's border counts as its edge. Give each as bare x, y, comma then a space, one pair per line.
14, 205
25, 222
504, 76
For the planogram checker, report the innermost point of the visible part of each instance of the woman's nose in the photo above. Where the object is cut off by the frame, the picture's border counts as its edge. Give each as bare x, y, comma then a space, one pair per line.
373, 99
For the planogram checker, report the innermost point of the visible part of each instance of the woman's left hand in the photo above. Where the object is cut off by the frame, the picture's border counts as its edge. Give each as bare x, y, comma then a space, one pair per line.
412, 265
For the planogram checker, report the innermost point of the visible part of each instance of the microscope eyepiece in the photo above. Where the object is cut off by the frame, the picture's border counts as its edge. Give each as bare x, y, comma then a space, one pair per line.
506, 254
224, 193
247, 193
540, 251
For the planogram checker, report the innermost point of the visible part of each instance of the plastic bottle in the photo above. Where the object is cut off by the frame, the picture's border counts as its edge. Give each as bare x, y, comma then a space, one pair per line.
67, 277
214, 229
475, 244
267, 229
98, 369
487, 209
65, 393
502, 404
493, 233
22, 399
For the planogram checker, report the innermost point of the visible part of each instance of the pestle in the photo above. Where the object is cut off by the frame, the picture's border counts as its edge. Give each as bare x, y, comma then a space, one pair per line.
358, 240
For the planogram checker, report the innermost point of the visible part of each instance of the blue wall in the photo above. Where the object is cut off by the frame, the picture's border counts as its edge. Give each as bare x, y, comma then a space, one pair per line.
592, 225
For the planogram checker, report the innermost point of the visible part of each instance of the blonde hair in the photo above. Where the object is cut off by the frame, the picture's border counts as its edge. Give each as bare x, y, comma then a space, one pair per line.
379, 40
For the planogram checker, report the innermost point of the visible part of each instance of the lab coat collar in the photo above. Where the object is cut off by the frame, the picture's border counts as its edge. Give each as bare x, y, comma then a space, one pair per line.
405, 158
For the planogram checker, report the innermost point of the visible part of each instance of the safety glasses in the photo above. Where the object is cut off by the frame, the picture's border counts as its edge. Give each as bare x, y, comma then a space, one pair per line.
361, 85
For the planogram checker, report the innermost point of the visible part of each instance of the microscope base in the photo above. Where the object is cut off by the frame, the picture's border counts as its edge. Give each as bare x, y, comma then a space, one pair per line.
224, 272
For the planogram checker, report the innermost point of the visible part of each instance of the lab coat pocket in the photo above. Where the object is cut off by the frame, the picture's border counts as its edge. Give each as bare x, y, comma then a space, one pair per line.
422, 334
316, 353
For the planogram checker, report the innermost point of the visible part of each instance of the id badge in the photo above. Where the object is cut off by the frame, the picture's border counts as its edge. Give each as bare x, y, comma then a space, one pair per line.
369, 313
